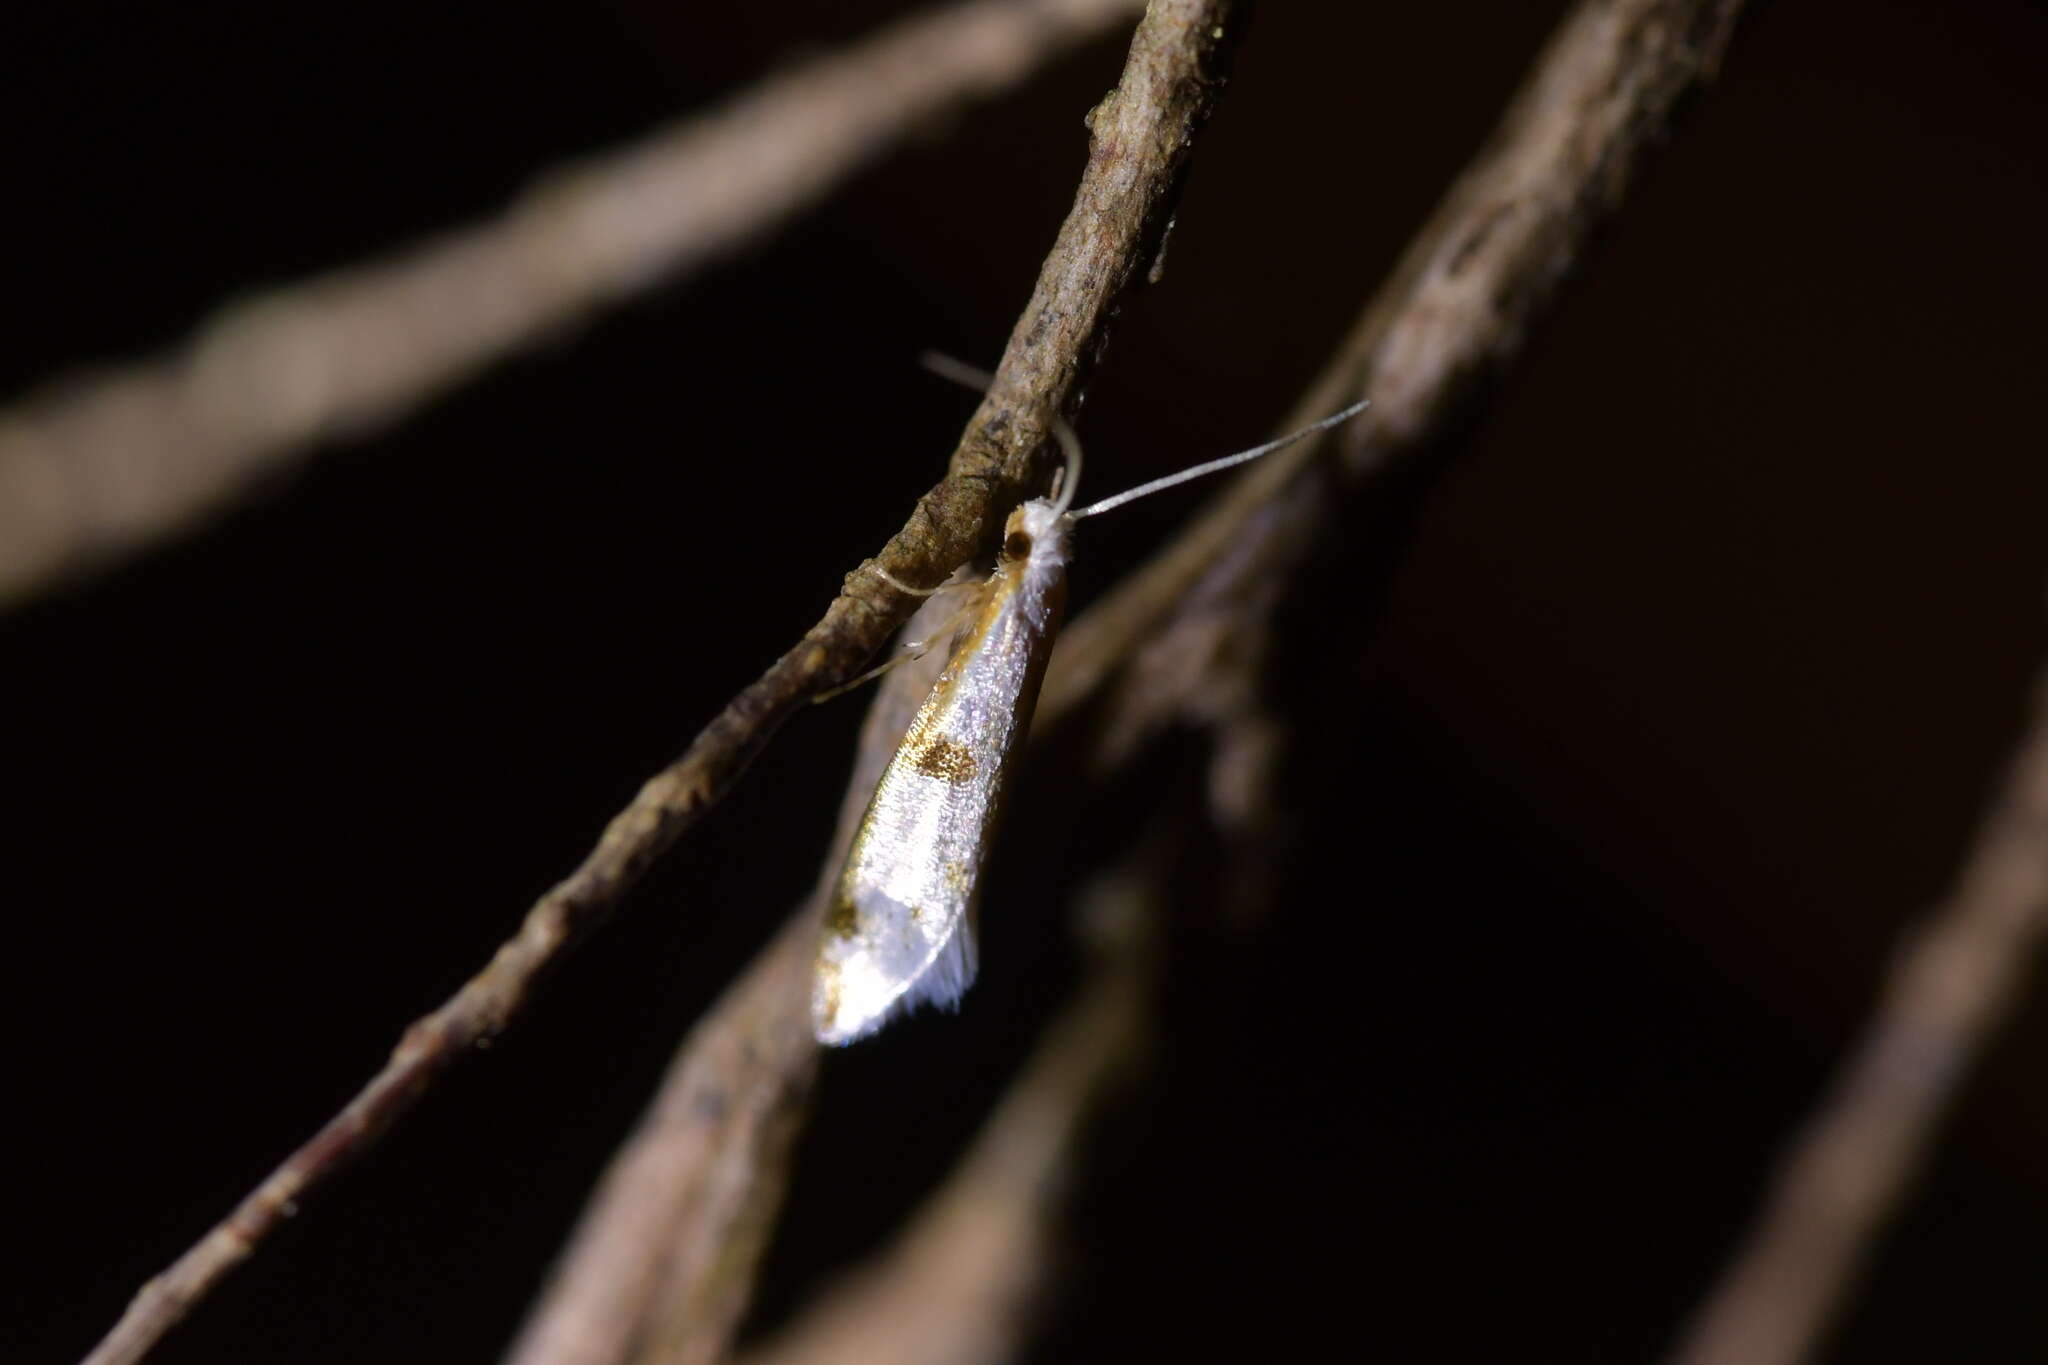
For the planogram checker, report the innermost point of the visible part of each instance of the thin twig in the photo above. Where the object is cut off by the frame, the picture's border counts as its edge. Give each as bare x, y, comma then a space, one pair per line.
662, 1264
1952, 984
1460, 298
957, 1285
98, 468
1142, 137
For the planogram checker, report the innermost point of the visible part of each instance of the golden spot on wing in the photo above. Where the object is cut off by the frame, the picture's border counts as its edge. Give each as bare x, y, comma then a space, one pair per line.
955, 873
842, 919
946, 759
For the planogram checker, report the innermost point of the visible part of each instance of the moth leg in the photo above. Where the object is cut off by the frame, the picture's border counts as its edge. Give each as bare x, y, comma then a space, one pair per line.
893, 581
914, 649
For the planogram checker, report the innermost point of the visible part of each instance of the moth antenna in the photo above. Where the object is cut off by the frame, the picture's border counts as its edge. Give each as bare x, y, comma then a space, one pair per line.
1143, 490
966, 375
1063, 488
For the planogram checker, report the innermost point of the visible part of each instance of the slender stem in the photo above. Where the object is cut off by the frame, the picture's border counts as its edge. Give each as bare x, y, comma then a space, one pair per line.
94, 471
961, 1280
1953, 982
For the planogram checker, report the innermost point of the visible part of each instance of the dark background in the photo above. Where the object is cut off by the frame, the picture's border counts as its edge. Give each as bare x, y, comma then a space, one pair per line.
1646, 711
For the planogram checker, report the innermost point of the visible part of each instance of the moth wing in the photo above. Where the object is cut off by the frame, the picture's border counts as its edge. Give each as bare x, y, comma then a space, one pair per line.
900, 930
900, 959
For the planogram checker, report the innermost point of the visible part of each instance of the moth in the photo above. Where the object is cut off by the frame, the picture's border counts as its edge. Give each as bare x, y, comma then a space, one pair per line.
899, 929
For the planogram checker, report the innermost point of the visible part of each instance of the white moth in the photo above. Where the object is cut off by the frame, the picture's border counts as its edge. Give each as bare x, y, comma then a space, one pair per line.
900, 927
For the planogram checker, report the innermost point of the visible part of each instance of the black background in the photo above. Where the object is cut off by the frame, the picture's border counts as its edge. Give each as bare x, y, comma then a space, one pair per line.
1644, 713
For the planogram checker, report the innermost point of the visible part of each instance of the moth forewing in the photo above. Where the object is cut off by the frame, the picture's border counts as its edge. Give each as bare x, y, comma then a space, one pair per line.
900, 926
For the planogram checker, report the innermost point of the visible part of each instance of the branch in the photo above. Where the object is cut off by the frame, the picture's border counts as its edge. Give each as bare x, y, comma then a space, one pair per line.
1952, 984
1461, 298
662, 1264
100, 468
1142, 136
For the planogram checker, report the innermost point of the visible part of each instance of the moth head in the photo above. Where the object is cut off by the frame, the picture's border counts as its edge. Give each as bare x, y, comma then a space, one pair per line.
1035, 531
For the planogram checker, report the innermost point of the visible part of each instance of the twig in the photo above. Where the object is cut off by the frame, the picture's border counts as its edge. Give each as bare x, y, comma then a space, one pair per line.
101, 467
1951, 985
956, 1287
1142, 137
663, 1263
1461, 297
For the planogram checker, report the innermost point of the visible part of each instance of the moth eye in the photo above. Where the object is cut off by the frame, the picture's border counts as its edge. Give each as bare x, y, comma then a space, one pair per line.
1017, 545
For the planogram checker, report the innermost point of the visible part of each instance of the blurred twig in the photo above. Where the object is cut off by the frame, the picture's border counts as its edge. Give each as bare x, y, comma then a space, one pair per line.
102, 466
1952, 983
1143, 134
663, 1264
1461, 296
957, 1286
